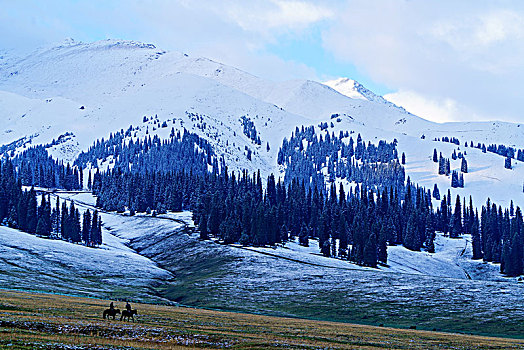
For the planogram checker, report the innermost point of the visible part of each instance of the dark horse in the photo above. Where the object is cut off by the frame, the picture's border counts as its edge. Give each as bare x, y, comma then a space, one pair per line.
128, 314
111, 312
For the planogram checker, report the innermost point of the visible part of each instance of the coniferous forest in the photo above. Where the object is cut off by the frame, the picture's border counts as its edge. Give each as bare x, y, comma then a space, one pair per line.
356, 223
353, 222
22, 210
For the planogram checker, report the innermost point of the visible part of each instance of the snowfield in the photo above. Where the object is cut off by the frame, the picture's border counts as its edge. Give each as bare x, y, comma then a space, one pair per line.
452, 257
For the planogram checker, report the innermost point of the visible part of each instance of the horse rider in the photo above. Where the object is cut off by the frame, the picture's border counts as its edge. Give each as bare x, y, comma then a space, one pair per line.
128, 307
112, 306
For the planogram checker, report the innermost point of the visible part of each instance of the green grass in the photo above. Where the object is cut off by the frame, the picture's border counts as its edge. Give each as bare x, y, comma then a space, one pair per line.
43, 321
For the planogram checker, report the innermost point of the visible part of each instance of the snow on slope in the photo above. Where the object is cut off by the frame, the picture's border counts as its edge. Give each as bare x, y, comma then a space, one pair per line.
119, 82
129, 87
58, 266
452, 257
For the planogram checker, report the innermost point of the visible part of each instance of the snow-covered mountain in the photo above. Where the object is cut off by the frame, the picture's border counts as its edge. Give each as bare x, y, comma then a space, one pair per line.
80, 92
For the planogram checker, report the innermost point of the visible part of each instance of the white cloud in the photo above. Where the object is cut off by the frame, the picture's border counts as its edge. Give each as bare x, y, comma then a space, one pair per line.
277, 14
233, 32
467, 51
481, 31
437, 110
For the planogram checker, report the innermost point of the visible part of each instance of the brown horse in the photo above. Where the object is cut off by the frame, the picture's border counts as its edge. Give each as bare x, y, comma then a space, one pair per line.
111, 312
128, 314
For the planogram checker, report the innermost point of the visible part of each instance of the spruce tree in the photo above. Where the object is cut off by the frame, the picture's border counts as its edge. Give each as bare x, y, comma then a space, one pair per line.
86, 228
370, 251
456, 230
476, 242
464, 165
436, 192
31, 212
507, 163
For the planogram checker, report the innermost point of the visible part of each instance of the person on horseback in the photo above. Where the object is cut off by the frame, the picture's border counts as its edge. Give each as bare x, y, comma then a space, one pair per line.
128, 306
111, 306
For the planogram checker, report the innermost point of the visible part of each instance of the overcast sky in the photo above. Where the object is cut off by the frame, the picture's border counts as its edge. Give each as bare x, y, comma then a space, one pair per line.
443, 60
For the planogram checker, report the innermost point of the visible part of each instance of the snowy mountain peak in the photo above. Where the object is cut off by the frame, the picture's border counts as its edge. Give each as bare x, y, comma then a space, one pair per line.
350, 88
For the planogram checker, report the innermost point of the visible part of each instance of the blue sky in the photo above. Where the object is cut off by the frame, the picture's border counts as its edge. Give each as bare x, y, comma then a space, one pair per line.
309, 51
443, 60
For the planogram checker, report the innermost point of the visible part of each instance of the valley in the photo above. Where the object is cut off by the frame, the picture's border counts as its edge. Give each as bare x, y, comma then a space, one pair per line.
278, 282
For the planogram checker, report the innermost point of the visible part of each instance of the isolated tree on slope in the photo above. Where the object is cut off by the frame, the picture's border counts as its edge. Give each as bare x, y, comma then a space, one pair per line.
464, 165
507, 163
436, 192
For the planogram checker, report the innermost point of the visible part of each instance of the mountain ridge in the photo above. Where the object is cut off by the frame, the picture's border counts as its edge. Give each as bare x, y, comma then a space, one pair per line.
94, 89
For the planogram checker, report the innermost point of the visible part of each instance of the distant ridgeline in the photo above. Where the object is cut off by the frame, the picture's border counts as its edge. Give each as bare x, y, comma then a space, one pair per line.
357, 225
20, 209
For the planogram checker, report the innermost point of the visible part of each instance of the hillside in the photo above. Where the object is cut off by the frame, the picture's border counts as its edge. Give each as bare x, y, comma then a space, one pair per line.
83, 92
161, 259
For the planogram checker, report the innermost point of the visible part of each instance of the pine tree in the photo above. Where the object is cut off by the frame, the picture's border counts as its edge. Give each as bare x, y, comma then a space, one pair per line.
476, 242
31, 212
326, 248
74, 219
507, 163
65, 223
436, 192
89, 182
456, 230
303, 237
96, 229
435, 156
370, 251
86, 228
455, 179
464, 165
43, 226
444, 222
382, 252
